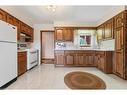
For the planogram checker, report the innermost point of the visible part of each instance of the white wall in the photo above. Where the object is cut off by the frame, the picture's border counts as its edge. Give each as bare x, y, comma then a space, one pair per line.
37, 29
108, 44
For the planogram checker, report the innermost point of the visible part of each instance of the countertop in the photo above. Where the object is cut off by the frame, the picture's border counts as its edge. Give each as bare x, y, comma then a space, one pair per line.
24, 50
101, 49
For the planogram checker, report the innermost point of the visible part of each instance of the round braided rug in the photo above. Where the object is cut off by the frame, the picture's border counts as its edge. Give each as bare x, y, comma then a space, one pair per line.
83, 80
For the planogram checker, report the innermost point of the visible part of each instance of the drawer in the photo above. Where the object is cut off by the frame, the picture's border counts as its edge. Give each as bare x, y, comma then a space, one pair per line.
69, 51
59, 52
100, 52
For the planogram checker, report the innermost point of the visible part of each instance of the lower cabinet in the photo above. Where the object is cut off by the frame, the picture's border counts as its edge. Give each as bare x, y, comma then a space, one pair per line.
104, 61
59, 57
119, 64
89, 58
74, 58
69, 57
22, 62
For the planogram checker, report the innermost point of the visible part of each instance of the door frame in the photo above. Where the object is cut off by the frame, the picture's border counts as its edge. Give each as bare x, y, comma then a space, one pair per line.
41, 42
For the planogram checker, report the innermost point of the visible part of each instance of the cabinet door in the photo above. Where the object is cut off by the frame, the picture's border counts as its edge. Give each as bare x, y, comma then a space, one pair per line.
101, 62
119, 20
32, 34
89, 59
10, 19
119, 52
119, 36
108, 32
59, 34
68, 34
100, 32
23, 27
17, 24
79, 59
22, 63
59, 56
69, 58
119, 63
28, 31
2, 15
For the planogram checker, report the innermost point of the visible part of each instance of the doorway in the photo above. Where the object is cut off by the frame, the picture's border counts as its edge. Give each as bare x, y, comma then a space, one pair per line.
47, 47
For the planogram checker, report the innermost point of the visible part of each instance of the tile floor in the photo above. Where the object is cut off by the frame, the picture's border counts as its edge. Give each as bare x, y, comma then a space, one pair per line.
47, 76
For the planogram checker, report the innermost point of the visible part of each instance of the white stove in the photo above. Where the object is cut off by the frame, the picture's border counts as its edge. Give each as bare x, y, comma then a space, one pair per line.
32, 58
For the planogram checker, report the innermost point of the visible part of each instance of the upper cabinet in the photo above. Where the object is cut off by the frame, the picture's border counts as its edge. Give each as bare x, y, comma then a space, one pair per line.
64, 34
59, 34
119, 20
68, 34
10, 19
2, 15
108, 29
100, 32
24, 28
105, 31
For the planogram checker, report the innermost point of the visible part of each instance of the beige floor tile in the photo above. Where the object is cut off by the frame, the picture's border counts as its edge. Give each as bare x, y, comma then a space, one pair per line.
46, 76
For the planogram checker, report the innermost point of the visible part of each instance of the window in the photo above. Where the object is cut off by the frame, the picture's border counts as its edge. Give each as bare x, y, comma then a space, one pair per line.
85, 40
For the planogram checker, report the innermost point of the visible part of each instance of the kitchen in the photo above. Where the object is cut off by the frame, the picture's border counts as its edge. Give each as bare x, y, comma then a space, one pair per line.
99, 48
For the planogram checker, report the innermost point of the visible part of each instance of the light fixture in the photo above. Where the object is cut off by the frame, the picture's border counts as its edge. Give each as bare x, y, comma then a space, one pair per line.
51, 8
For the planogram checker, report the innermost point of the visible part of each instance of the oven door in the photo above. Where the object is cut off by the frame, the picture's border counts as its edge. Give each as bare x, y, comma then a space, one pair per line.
32, 59
33, 56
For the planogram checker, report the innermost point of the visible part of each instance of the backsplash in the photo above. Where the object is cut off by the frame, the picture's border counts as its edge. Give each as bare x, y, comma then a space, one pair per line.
107, 44
110, 44
24, 45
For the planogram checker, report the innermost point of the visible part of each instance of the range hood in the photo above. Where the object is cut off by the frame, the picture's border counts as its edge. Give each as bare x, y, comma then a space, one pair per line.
24, 38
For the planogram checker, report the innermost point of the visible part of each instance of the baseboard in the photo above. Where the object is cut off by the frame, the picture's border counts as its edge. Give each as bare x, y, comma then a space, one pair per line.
7, 84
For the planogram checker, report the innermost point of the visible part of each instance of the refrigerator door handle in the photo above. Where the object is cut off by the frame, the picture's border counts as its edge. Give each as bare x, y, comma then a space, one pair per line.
7, 42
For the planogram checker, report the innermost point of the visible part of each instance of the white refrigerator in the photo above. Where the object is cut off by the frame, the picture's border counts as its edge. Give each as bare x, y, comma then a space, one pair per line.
8, 53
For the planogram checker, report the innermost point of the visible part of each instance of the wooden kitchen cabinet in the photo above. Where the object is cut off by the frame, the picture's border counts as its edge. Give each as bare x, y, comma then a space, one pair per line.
59, 58
69, 57
64, 34
100, 32
119, 20
108, 29
10, 19
88, 58
68, 34
79, 59
3, 15
119, 64
104, 61
22, 62
59, 35
32, 34
24, 28
119, 52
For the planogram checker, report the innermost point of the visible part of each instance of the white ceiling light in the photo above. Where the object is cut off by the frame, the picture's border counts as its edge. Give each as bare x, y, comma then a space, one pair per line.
51, 8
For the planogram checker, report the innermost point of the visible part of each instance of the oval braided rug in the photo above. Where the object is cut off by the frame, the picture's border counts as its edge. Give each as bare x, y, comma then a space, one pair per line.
83, 80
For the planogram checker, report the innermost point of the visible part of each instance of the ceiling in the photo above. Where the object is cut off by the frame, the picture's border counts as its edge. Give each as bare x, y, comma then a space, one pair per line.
83, 14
